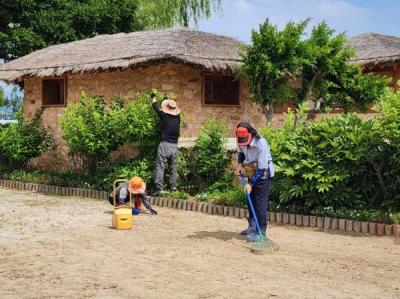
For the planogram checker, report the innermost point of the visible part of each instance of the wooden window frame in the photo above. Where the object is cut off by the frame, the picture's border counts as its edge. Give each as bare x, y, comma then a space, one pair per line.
65, 92
203, 92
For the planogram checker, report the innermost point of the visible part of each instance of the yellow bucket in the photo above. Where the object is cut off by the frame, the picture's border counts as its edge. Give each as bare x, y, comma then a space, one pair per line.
122, 215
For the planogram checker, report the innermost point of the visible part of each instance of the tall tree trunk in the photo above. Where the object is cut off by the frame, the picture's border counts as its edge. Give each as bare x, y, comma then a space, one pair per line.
313, 112
268, 109
378, 171
268, 112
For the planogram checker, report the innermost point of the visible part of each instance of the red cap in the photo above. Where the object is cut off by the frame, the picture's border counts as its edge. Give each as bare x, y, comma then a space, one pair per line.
243, 136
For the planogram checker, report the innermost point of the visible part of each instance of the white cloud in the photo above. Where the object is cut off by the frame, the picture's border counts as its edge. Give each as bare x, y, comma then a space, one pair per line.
244, 5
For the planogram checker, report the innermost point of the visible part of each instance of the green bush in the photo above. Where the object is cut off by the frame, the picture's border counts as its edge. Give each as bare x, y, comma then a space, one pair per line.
22, 141
277, 137
328, 163
389, 125
142, 167
230, 197
374, 215
395, 218
177, 195
94, 127
189, 180
211, 154
92, 130
142, 123
388, 120
205, 164
35, 176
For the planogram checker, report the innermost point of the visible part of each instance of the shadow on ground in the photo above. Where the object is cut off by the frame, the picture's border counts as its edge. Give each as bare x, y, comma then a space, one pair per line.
220, 235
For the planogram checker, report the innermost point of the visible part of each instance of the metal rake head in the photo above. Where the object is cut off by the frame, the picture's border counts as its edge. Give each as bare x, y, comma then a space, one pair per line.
263, 244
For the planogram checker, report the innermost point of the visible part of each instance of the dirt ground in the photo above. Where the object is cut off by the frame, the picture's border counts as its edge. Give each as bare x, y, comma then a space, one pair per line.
64, 247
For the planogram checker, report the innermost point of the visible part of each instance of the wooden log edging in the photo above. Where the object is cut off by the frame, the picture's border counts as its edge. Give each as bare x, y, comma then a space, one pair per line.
322, 223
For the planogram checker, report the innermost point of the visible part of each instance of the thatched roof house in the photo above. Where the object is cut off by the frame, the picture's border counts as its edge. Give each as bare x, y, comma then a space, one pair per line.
197, 67
378, 53
126, 50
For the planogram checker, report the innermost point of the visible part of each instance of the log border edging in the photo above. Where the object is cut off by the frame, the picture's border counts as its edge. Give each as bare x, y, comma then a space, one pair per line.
322, 223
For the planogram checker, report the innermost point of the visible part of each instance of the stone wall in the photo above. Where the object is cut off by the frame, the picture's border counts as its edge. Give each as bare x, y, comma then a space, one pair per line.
183, 81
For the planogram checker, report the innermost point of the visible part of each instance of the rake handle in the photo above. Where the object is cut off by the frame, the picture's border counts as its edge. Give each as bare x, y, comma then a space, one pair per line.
250, 203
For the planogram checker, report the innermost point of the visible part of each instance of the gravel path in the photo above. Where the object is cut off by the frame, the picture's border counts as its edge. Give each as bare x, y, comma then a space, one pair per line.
64, 247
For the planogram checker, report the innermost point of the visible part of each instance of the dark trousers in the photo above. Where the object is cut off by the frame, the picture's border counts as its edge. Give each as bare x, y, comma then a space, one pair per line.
167, 154
259, 197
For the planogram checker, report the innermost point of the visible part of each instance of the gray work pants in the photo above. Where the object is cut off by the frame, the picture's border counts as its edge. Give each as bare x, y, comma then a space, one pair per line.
167, 154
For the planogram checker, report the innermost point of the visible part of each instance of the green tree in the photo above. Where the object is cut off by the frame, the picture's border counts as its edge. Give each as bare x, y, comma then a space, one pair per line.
282, 66
327, 78
161, 13
28, 25
271, 61
22, 141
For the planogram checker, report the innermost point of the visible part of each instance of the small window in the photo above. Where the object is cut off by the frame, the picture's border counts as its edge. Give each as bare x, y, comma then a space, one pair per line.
221, 90
53, 92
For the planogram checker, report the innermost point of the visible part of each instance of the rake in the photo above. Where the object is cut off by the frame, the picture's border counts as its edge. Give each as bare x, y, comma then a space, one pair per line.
263, 243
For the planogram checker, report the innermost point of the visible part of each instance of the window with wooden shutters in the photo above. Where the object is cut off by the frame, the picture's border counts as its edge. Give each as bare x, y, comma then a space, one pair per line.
54, 92
221, 90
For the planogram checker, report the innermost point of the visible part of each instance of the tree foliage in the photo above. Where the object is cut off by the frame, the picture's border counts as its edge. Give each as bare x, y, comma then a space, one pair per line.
166, 13
204, 167
28, 25
94, 127
338, 162
212, 157
329, 80
389, 126
22, 141
286, 65
273, 58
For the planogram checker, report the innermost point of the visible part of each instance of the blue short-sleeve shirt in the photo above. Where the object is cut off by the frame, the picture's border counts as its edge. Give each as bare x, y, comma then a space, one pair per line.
258, 152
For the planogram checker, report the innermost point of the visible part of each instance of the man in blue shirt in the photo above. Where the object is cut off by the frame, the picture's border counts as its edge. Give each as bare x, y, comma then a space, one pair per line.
255, 163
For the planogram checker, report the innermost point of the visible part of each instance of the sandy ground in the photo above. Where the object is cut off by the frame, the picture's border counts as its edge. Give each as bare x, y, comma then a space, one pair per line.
64, 247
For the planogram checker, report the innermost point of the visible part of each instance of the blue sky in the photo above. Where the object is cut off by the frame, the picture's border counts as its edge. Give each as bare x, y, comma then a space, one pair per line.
351, 16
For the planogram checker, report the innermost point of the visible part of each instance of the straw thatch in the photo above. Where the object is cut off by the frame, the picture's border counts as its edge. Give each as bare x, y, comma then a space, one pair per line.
375, 49
120, 51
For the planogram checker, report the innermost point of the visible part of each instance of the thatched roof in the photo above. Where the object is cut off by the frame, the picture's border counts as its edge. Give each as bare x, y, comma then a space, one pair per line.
123, 50
373, 49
